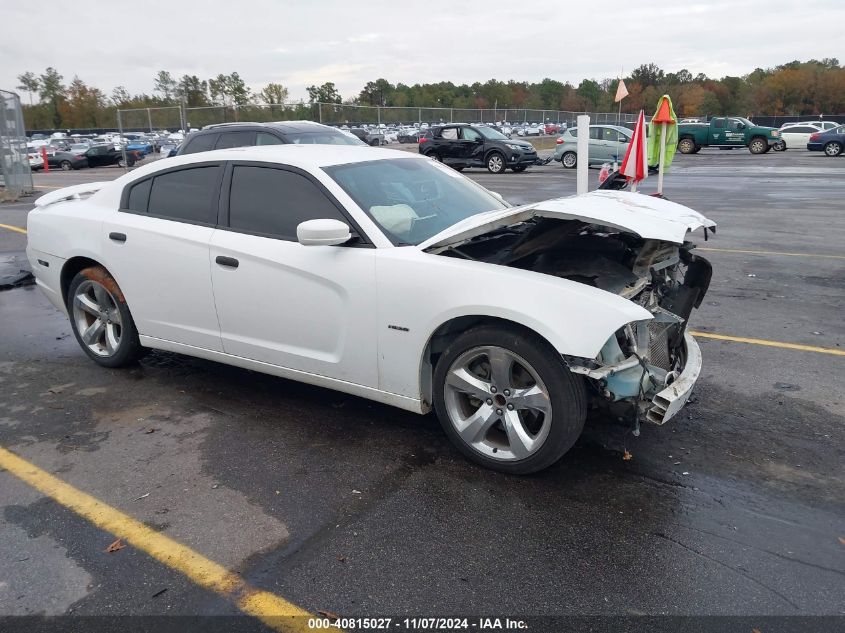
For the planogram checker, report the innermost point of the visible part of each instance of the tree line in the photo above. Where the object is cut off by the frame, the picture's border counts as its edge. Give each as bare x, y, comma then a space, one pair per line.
796, 88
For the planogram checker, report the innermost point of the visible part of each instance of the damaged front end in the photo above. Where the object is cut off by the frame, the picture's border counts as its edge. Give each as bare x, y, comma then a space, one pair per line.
646, 370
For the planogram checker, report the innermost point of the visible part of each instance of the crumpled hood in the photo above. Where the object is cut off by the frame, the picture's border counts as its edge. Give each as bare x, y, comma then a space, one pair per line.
643, 215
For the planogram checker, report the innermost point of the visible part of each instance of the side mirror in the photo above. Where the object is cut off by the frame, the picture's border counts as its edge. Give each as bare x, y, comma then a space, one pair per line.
323, 232
741, 126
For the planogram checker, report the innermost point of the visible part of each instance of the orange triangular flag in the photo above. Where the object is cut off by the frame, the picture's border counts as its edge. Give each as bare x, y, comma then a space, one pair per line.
664, 112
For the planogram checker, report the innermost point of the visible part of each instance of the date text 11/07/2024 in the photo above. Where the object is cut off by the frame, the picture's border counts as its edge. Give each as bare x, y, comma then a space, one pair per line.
418, 624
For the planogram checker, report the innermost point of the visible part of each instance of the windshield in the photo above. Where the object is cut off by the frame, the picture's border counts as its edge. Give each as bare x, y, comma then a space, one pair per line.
490, 134
322, 138
412, 199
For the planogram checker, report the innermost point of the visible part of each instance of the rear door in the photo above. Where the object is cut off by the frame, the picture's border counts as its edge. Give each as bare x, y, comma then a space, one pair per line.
598, 148
307, 308
157, 245
448, 144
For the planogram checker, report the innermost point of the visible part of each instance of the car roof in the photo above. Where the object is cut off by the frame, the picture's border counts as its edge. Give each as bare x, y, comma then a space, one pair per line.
285, 127
294, 154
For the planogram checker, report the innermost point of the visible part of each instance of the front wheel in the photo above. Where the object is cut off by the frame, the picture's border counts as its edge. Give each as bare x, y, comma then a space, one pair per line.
100, 319
686, 146
758, 146
65, 165
833, 149
780, 146
507, 401
496, 163
569, 160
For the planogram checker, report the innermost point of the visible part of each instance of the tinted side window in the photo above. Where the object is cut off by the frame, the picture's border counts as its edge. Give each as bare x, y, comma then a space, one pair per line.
275, 201
139, 196
201, 143
718, 123
596, 133
235, 139
187, 194
469, 134
263, 138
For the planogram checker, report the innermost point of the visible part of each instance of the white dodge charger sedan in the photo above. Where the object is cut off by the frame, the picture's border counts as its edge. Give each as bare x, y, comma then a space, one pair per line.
386, 275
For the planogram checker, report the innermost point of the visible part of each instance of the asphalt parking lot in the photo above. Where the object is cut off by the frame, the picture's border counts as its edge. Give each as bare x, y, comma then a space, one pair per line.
333, 503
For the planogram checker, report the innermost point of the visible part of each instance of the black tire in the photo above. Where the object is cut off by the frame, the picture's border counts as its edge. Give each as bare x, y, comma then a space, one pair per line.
496, 163
520, 168
566, 393
66, 165
121, 162
458, 167
129, 350
697, 149
758, 145
686, 146
779, 146
834, 148
569, 160
434, 156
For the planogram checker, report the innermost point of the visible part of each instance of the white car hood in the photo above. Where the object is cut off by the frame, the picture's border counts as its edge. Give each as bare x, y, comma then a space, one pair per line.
646, 216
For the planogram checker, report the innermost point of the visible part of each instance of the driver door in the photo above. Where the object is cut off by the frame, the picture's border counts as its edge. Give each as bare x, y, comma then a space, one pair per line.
307, 308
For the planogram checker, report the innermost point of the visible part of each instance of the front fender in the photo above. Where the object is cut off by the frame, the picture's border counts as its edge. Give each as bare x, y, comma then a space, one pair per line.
419, 292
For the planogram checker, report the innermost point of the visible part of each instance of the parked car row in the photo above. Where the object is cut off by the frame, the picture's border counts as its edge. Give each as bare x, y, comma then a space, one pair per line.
79, 155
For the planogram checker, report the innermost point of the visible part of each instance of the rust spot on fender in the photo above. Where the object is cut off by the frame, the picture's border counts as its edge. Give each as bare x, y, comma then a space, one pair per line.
95, 273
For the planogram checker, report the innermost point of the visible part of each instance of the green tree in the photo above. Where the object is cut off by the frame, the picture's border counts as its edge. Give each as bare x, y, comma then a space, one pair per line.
590, 91
29, 83
165, 84
193, 90
327, 93
120, 96
647, 75
237, 90
273, 94
52, 91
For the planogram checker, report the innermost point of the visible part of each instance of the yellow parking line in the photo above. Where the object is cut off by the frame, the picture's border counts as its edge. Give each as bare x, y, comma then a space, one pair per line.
16, 229
735, 250
767, 343
271, 609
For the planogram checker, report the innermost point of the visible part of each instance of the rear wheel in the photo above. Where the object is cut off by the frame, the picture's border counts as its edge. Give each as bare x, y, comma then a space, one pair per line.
435, 156
758, 145
520, 168
686, 146
833, 148
100, 319
569, 160
65, 165
507, 401
496, 163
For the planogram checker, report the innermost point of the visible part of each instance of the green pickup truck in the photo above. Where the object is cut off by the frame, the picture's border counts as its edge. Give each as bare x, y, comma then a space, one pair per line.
726, 132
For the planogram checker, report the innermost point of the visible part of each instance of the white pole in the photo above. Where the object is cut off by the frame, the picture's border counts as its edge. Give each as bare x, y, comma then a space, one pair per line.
583, 149
662, 157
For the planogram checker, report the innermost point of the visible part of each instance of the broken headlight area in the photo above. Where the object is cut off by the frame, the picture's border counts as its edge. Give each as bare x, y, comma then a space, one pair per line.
645, 371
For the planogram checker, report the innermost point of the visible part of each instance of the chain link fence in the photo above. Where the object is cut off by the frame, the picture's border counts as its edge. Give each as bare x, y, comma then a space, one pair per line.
176, 117
15, 175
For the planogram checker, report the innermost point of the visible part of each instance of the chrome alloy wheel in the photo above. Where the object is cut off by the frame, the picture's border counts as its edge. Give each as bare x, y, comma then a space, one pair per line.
496, 163
97, 318
497, 403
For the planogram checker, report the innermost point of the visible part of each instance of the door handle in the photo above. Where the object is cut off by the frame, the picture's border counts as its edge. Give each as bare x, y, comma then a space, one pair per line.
229, 262
117, 237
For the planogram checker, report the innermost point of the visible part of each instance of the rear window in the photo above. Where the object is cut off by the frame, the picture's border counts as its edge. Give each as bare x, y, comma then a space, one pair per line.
201, 143
323, 137
187, 195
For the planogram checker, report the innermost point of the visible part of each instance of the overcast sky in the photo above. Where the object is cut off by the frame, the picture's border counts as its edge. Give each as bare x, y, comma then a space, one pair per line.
299, 43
